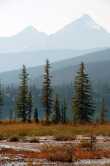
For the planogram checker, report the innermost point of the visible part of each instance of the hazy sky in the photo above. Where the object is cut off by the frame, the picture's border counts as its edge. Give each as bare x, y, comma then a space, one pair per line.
49, 15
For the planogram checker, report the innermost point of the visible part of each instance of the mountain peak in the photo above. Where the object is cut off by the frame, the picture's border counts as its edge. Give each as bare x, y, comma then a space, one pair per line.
86, 17
30, 29
87, 22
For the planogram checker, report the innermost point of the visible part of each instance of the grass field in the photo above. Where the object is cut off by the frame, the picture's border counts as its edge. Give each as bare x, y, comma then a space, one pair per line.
21, 130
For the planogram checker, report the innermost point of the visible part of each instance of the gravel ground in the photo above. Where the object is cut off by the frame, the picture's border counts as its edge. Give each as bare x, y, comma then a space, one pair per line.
102, 142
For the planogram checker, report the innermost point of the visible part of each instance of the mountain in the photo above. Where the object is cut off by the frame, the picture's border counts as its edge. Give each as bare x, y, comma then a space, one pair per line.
32, 48
98, 66
15, 60
27, 40
84, 33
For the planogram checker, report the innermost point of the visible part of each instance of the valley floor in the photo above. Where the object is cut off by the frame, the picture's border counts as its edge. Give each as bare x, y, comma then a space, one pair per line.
62, 145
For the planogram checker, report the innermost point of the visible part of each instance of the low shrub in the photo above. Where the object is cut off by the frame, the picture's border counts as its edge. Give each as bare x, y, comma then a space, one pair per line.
34, 140
64, 138
2, 137
14, 139
59, 153
84, 144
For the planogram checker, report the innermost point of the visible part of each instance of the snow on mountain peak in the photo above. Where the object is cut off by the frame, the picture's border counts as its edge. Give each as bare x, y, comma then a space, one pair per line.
86, 17
88, 22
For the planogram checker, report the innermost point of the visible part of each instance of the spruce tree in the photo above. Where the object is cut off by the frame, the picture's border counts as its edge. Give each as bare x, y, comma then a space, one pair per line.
36, 118
83, 106
22, 98
29, 107
64, 110
104, 111
56, 110
47, 92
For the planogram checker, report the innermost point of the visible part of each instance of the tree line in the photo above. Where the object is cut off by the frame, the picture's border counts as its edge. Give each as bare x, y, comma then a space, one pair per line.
82, 106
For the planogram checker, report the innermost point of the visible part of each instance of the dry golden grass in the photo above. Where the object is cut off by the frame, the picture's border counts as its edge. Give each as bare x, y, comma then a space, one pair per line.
8, 130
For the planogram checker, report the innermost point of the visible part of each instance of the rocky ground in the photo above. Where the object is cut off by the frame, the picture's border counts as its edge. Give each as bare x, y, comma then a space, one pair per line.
30, 152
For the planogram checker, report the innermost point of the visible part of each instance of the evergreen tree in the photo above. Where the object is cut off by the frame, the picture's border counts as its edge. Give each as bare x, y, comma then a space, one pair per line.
36, 118
83, 106
47, 92
104, 111
64, 110
56, 110
22, 98
29, 107
1, 100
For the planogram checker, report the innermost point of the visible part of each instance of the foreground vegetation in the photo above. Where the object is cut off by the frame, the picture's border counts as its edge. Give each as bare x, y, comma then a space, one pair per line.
64, 146
59, 131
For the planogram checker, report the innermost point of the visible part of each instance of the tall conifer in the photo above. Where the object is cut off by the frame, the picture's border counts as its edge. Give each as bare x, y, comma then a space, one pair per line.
47, 92
83, 106
104, 111
56, 110
36, 116
29, 107
64, 111
22, 98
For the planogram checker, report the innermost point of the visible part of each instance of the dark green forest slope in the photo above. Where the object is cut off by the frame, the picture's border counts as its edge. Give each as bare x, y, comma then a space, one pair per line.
63, 74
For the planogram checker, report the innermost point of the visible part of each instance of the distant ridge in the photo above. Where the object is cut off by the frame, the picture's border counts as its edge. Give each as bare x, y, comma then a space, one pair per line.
97, 63
84, 33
